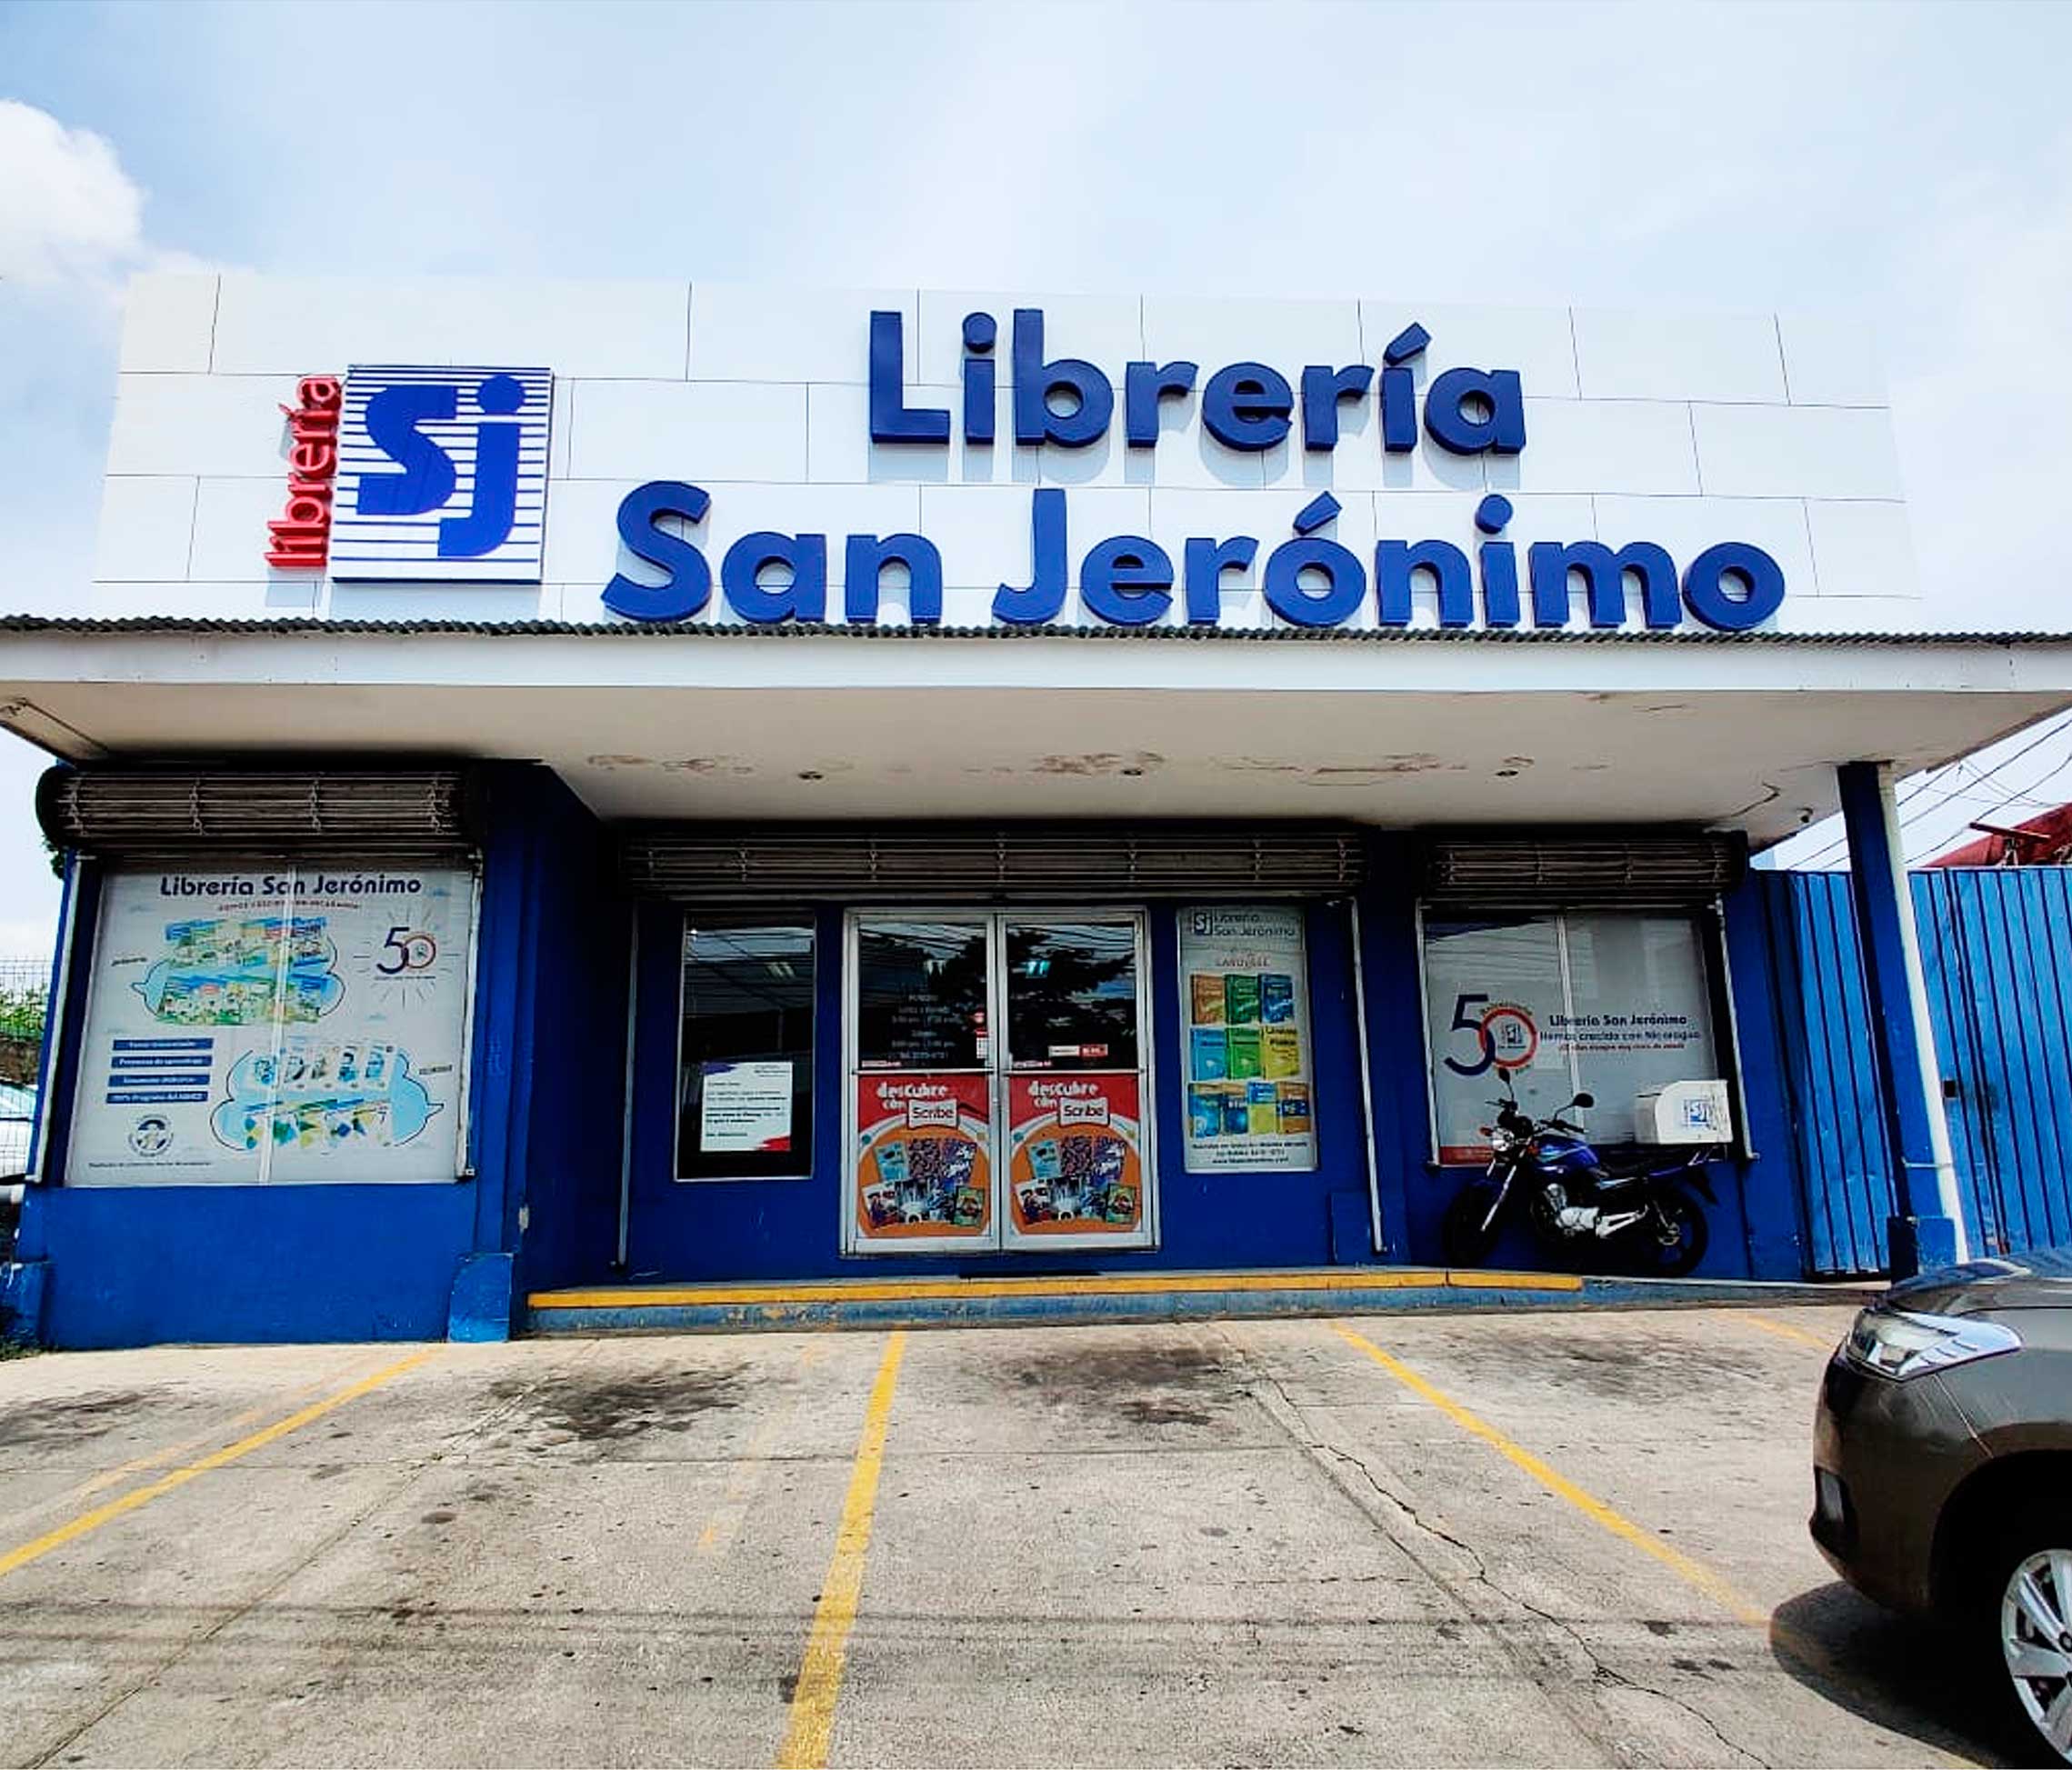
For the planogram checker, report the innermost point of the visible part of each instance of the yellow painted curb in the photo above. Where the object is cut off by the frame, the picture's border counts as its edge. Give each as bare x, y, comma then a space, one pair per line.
1513, 1281
903, 1290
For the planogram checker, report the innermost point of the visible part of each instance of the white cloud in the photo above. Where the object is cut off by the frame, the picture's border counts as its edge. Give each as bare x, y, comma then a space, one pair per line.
69, 214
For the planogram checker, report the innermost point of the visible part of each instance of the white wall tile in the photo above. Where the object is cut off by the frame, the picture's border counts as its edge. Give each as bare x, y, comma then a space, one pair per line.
1796, 451
1448, 516
207, 425
312, 326
1687, 526
742, 333
699, 431
1856, 615
839, 449
1283, 334
1535, 341
1264, 516
1360, 463
1831, 359
447, 602
168, 324
1107, 331
982, 531
967, 606
1630, 355
118, 601
1185, 454
561, 429
146, 525
582, 530
230, 531
1863, 549
1600, 445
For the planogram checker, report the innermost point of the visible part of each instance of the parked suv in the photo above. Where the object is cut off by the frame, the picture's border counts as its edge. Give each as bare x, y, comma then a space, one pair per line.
1942, 1458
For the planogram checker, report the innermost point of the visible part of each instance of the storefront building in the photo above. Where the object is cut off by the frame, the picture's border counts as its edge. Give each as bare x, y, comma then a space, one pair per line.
579, 784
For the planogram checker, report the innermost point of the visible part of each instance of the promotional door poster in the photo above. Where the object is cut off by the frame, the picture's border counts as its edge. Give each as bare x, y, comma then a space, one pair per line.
1076, 1158
924, 1172
245, 1028
1247, 1005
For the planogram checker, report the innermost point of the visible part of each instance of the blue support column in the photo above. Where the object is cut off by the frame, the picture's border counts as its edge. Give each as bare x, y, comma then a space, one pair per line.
1927, 1231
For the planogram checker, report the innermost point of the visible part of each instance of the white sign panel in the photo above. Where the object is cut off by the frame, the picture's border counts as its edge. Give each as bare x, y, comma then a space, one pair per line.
441, 475
745, 1106
1245, 994
285, 1024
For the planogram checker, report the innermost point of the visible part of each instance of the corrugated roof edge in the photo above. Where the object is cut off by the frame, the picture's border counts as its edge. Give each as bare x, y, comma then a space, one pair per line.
193, 625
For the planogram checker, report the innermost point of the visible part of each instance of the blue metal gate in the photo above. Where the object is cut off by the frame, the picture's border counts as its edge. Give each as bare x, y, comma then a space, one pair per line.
1996, 952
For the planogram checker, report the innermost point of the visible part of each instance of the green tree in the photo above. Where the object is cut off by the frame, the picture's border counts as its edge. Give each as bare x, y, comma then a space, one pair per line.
22, 1013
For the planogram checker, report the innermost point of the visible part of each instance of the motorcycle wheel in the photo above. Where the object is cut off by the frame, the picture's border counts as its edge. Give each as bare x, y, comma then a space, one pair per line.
1462, 1236
1673, 1240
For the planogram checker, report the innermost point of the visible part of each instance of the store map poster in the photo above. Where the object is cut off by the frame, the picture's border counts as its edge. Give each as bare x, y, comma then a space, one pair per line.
1244, 983
276, 1024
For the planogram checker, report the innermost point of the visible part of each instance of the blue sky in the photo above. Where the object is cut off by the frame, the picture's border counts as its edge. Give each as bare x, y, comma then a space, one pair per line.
1914, 164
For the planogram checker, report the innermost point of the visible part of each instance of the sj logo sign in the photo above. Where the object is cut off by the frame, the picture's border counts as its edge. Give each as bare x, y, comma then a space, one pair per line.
441, 474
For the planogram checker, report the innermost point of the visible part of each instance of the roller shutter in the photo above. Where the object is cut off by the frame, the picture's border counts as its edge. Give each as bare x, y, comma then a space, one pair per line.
146, 815
969, 863
1583, 869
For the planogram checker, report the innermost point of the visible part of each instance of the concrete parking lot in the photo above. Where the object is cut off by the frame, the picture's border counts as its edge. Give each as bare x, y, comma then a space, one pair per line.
1547, 1539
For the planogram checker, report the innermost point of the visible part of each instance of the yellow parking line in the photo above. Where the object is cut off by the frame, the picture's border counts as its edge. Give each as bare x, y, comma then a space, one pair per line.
1799, 1645
1784, 1330
125, 1503
1690, 1572
819, 1683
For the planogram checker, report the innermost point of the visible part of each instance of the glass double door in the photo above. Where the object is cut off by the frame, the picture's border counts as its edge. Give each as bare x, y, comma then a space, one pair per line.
997, 1082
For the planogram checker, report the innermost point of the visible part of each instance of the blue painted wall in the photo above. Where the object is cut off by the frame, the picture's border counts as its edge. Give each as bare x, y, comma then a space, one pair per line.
352, 1262
567, 979
792, 1228
129, 1266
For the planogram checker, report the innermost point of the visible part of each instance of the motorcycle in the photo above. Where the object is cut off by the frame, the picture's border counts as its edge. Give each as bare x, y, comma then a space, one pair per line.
1636, 1215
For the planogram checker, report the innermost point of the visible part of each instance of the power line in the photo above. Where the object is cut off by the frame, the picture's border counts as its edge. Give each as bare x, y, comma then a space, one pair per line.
1937, 775
1910, 791
1995, 808
2036, 742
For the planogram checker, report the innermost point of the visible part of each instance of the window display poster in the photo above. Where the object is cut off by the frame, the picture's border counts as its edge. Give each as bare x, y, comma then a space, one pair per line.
745, 1106
245, 1027
1250, 1090
1614, 1002
1074, 1156
924, 1171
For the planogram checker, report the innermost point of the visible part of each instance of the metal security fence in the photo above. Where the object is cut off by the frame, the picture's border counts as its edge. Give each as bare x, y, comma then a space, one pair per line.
24, 990
1996, 953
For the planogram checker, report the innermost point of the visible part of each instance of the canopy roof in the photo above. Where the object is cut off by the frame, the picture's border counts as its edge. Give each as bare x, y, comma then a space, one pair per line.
1398, 728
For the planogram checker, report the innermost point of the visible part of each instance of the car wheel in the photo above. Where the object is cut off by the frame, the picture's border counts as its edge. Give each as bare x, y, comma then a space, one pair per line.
2031, 1616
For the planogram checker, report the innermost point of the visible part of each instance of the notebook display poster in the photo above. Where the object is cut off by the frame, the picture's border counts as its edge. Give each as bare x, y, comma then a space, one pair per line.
1250, 1089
